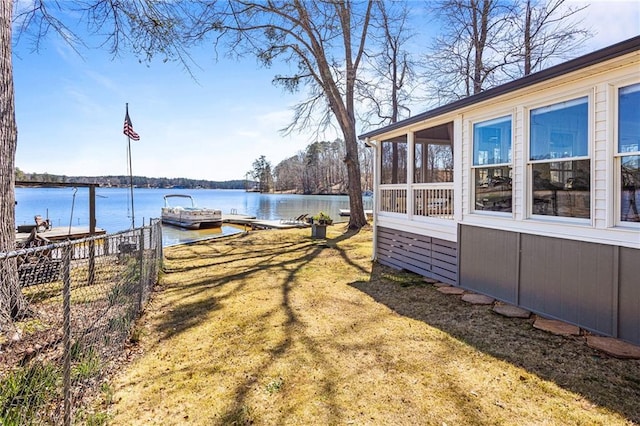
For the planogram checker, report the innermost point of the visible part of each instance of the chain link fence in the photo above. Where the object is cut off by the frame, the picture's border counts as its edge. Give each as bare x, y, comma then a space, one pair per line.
74, 309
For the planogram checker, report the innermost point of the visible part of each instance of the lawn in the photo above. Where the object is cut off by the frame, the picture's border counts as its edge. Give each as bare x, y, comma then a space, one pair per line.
273, 327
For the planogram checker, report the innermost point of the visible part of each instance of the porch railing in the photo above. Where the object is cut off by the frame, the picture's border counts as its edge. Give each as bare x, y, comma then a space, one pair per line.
393, 200
429, 200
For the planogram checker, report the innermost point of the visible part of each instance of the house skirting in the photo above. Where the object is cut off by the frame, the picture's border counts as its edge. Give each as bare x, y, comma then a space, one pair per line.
428, 256
594, 286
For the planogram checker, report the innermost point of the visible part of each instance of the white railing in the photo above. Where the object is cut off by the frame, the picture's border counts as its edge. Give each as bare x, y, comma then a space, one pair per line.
429, 199
393, 199
433, 200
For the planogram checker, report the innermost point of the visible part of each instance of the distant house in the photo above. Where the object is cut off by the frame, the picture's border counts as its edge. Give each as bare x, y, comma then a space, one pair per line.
528, 192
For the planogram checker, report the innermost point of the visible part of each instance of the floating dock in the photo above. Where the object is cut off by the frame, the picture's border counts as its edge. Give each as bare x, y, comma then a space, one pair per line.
347, 212
239, 219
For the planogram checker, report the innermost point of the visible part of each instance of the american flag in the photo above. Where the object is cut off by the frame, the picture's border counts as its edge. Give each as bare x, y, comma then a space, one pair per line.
128, 127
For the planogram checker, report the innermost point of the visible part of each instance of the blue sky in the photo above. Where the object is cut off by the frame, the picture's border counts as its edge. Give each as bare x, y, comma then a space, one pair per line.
70, 109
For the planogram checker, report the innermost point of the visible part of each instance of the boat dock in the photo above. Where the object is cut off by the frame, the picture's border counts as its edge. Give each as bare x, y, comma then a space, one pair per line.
61, 233
347, 212
244, 220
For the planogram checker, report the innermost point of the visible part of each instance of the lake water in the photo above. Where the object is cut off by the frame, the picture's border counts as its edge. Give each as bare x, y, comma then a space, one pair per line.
65, 206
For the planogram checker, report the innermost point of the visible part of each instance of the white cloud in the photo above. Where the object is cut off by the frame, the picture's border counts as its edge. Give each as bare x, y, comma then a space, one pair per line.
611, 21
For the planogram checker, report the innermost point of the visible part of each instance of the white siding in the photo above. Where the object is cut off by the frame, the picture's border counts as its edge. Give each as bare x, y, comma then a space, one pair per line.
519, 158
598, 83
461, 175
601, 156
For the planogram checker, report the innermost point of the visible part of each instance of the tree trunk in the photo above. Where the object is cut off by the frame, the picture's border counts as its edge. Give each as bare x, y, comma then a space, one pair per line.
357, 218
12, 303
527, 39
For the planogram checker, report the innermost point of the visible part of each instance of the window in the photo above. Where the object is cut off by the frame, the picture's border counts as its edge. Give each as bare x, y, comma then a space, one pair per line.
629, 152
559, 163
492, 165
433, 155
394, 161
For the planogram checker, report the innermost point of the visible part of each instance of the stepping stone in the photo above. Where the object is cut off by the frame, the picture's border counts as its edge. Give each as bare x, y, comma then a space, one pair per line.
477, 299
556, 327
614, 347
450, 290
511, 311
429, 280
439, 284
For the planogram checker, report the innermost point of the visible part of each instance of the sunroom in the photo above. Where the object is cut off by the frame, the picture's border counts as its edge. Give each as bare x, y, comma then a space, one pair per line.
527, 192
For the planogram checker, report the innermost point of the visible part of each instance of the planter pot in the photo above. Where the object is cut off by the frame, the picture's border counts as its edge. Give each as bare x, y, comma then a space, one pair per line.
318, 231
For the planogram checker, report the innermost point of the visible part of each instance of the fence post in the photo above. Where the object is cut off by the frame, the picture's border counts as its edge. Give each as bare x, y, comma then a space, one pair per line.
160, 249
92, 262
66, 339
92, 232
141, 271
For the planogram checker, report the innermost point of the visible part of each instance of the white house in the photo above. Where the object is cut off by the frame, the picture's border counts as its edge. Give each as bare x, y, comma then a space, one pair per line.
528, 192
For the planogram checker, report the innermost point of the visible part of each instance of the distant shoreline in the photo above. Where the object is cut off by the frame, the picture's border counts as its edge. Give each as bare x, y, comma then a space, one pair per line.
141, 182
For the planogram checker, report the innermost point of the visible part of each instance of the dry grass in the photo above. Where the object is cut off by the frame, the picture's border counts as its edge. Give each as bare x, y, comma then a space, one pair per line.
275, 328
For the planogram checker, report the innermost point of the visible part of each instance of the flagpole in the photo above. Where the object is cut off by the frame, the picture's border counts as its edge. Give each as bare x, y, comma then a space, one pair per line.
133, 215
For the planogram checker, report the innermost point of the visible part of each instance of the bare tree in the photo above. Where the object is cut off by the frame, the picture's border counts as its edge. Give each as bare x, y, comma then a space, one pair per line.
468, 56
489, 42
323, 40
546, 30
390, 75
146, 28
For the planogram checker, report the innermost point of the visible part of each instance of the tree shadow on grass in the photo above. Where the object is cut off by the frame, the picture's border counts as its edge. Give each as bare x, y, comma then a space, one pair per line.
182, 317
288, 261
217, 278
567, 361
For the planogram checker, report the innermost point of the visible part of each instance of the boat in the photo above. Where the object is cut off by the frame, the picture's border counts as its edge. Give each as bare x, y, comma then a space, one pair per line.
189, 216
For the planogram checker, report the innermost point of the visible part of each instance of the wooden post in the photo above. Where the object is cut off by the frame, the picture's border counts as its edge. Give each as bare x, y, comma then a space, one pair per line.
141, 278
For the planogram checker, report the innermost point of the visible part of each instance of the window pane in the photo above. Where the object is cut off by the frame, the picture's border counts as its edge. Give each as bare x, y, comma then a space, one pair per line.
492, 142
394, 161
560, 130
433, 162
629, 119
493, 189
630, 182
562, 188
